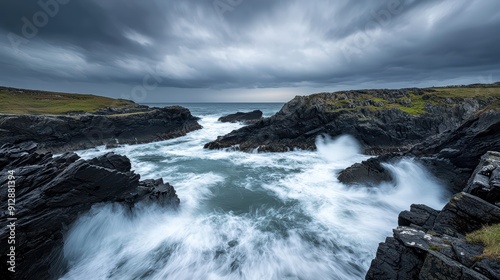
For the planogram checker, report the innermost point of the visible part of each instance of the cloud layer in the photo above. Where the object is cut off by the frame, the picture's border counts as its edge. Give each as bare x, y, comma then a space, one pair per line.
231, 44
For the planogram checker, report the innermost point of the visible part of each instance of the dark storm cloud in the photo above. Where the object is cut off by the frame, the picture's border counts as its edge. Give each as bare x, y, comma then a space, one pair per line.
247, 44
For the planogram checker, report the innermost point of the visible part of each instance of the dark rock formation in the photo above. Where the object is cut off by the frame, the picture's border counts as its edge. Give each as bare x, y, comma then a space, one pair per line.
371, 172
247, 118
464, 146
430, 244
382, 120
51, 192
82, 131
450, 156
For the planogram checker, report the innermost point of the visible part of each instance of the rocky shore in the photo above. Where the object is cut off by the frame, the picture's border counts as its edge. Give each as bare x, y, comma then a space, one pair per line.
111, 127
382, 120
450, 156
431, 244
50, 194
448, 130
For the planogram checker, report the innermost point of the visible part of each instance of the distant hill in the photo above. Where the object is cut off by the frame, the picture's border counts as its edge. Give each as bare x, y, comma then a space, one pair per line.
27, 101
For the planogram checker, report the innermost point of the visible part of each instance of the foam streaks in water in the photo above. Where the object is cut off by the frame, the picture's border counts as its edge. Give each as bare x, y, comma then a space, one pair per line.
246, 216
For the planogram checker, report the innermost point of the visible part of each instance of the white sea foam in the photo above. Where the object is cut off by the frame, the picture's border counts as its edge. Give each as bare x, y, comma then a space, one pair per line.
246, 216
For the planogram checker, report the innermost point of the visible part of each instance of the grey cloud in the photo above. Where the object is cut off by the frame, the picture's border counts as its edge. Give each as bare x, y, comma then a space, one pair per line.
252, 44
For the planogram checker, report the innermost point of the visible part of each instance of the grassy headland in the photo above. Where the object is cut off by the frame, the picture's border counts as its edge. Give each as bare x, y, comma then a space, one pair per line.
410, 101
21, 101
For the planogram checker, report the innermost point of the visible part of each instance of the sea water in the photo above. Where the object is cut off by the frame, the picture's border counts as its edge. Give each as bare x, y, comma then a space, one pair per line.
245, 215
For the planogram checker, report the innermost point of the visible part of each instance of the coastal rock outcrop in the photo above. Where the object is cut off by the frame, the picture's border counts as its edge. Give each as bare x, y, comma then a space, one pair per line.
51, 192
465, 145
382, 120
81, 131
450, 156
431, 244
247, 118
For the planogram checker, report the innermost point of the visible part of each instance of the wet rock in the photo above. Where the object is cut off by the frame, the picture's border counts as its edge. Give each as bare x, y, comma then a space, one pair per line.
465, 145
112, 161
465, 213
51, 192
370, 172
68, 133
485, 181
395, 261
438, 266
248, 117
380, 131
435, 240
156, 191
420, 215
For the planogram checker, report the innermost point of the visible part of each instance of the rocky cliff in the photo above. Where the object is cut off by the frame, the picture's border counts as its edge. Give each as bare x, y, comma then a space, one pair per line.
450, 156
51, 192
62, 133
382, 120
431, 244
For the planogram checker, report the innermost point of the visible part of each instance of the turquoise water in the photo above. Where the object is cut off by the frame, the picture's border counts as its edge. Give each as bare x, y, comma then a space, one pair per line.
245, 215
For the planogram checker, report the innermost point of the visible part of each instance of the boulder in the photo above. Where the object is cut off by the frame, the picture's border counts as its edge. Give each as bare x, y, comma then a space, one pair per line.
248, 117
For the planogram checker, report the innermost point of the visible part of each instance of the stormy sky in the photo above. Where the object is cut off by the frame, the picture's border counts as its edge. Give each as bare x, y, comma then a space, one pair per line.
245, 50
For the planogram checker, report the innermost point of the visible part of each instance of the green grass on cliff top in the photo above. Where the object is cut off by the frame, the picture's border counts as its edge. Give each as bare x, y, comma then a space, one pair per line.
489, 237
417, 104
54, 103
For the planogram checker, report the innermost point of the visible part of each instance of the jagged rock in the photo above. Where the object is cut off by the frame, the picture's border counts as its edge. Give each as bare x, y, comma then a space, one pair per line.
395, 261
420, 215
433, 243
112, 161
369, 172
465, 213
249, 117
158, 192
51, 192
466, 253
485, 181
489, 267
380, 131
465, 145
438, 266
413, 238
68, 133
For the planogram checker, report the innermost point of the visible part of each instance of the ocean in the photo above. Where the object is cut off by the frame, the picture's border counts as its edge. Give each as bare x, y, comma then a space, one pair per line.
245, 215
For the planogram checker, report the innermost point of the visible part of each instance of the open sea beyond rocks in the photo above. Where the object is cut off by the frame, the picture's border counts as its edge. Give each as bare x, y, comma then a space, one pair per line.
245, 215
